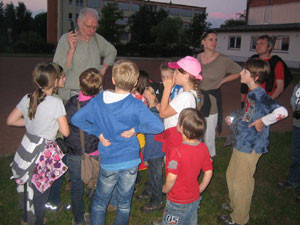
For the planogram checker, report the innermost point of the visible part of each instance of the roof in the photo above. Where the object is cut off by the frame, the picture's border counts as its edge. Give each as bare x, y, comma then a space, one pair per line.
262, 27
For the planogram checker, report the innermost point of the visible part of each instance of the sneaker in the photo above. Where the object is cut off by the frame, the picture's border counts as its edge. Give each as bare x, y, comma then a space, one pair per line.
111, 208
59, 207
286, 185
152, 207
226, 207
87, 218
227, 220
143, 196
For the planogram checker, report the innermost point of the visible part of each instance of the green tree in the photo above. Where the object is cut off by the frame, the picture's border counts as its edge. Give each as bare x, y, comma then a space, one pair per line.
10, 19
168, 32
24, 21
40, 25
110, 27
195, 30
142, 22
233, 23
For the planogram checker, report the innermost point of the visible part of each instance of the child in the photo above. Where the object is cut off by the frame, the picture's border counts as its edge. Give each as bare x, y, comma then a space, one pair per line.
42, 115
114, 117
90, 83
294, 179
153, 155
187, 75
183, 169
252, 140
166, 71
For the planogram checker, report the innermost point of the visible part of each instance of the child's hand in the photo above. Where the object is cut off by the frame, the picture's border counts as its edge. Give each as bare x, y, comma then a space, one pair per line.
104, 141
128, 133
158, 107
146, 163
228, 120
164, 189
168, 82
259, 125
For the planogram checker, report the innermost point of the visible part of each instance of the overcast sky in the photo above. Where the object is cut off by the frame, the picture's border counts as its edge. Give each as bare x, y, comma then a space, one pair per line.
218, 10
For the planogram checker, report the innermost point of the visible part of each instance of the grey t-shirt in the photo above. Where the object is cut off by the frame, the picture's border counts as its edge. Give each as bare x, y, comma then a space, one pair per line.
45, 123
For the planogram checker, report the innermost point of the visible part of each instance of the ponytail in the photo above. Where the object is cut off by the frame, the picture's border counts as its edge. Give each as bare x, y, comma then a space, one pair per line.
196, 83
44, 76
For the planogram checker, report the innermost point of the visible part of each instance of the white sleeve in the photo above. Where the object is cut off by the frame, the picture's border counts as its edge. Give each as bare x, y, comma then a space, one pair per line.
60, 109
278, 114
183, 100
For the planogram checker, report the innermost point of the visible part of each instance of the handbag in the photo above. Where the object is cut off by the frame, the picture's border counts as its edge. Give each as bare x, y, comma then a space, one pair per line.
89, 166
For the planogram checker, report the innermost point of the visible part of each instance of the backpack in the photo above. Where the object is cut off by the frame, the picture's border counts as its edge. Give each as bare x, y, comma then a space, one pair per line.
288, 77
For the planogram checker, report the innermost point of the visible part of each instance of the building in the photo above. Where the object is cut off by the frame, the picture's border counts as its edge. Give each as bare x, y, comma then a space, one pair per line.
61, 12
277, 18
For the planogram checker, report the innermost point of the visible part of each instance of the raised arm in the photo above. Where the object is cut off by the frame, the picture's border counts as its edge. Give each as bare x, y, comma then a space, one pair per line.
165, 109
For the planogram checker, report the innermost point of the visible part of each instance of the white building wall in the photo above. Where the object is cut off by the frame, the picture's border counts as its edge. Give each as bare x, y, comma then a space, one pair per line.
292, 57
275, 14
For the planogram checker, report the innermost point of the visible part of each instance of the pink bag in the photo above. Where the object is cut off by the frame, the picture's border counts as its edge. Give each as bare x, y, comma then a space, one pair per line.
49, 166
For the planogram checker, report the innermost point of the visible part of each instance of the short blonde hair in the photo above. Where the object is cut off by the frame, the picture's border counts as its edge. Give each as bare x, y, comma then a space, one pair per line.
90, 82
125, 74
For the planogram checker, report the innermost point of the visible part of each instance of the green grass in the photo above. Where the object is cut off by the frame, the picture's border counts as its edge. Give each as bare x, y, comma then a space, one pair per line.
270, 205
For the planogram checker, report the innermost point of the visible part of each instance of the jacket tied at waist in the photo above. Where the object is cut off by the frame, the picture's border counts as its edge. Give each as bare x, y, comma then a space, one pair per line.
205, 108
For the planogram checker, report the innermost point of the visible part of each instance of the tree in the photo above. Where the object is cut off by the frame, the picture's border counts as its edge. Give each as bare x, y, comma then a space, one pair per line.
40, 25
110, 27
233, 23
168, 32
196, 29
10, 18
24, 21
142, 22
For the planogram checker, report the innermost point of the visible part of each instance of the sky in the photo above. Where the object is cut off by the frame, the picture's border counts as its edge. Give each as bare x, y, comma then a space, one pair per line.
218, 10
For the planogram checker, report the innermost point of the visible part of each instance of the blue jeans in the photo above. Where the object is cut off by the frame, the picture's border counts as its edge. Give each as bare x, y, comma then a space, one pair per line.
155, 180
123, 181
74, 164
295, 165
181, 214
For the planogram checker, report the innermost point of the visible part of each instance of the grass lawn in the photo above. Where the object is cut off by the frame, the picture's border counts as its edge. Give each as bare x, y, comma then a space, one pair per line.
270, 205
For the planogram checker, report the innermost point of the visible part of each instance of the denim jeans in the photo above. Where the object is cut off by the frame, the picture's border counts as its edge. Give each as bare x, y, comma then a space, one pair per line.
123, 181
155, 180
295, 165
74, 164
181, 214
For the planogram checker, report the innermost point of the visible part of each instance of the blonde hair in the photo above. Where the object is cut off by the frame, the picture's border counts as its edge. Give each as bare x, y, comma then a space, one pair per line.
90, 82
44, 76
152, 92
125, 74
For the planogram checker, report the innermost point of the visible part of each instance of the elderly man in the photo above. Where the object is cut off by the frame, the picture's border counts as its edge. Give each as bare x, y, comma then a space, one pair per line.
83, 49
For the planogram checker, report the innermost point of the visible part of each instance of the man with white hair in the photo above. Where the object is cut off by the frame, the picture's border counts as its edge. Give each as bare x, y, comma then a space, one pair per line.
81, 50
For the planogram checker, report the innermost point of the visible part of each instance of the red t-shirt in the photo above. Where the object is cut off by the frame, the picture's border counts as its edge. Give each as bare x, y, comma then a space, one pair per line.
278, 75
186, 162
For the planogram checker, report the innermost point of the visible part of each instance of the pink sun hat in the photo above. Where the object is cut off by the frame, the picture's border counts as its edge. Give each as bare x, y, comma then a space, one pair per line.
188, 64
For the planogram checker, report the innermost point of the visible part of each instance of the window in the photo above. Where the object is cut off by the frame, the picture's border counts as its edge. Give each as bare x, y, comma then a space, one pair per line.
234, 42
79, 2
164, 8
70, 16
124, 6
281, 43
70, 2
174, 11
200, 12
186, 12
77, 15
267, 14
135, 7
93, 3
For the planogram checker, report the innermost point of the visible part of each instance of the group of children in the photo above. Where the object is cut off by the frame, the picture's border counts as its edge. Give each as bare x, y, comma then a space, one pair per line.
173, 126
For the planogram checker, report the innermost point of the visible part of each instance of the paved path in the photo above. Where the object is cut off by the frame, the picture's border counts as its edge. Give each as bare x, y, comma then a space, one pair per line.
15, 81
